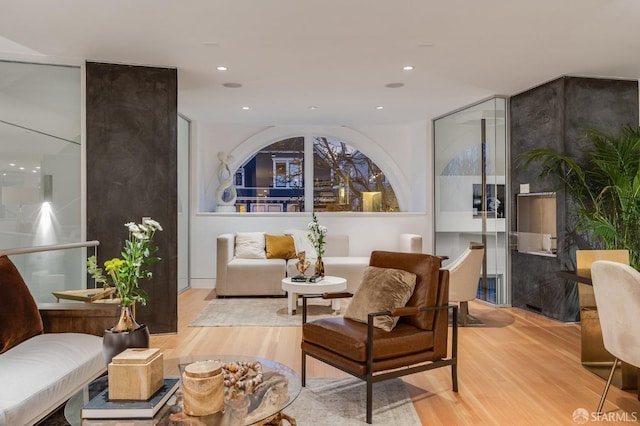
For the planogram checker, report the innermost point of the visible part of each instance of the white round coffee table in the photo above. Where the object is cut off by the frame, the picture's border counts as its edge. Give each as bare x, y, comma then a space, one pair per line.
327, 284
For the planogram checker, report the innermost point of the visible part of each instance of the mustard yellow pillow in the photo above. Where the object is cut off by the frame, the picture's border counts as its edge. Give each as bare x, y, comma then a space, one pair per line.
280, 247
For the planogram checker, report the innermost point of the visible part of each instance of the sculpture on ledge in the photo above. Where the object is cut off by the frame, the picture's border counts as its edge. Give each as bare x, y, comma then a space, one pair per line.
226, 192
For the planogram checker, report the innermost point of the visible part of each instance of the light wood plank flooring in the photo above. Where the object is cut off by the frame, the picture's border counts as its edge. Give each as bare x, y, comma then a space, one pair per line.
516, 369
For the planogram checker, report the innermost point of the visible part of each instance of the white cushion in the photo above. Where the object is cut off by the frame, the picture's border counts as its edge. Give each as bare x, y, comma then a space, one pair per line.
303, 243
42, 372
254, 277
250, 245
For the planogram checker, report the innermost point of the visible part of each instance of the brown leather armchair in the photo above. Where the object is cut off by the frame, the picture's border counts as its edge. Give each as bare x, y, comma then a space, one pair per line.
418, 342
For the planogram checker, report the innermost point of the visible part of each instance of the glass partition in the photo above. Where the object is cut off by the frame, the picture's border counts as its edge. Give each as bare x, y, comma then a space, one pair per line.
40, 167
470, 190
53, 270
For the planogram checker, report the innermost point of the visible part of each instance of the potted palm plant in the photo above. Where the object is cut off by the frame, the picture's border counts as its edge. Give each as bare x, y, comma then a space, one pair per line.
123, 275
605, 189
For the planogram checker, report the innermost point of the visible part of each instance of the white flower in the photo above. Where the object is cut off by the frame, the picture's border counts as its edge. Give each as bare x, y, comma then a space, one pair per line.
140, 235
153, 224
132, 227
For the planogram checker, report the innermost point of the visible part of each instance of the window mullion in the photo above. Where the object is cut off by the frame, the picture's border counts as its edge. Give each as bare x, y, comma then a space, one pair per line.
308, 173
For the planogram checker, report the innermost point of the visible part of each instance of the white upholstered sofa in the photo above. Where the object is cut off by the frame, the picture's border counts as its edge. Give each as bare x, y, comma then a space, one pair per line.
237, 276
41, 373
38, 371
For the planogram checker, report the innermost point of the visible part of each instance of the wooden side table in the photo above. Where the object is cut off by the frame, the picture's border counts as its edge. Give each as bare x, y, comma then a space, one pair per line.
78, 317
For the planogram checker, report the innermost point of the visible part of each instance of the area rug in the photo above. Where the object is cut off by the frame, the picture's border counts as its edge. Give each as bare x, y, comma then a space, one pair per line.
342, 402
268, 312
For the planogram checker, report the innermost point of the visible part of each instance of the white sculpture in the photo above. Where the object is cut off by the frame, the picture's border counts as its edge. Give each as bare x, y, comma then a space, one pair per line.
226, 192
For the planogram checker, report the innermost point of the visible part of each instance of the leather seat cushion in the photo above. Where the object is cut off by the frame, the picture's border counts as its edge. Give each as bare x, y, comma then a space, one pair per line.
348, 338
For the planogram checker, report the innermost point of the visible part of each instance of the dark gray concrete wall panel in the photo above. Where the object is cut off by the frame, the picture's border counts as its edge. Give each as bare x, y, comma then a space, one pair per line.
555, 115
132, 171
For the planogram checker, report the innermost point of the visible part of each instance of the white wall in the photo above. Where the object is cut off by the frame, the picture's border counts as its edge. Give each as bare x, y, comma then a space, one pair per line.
403, 152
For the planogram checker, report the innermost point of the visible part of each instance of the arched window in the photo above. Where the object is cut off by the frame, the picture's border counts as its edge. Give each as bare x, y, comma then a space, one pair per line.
344, 179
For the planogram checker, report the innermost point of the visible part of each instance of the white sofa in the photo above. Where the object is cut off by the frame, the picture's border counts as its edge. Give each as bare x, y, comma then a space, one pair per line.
46, 353
41, 373
263, 277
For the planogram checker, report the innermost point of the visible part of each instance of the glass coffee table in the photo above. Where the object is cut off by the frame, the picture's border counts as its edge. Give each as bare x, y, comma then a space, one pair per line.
280, 387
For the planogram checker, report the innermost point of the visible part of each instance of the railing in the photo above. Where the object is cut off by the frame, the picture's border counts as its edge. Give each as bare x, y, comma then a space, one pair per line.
37, 249
50, 268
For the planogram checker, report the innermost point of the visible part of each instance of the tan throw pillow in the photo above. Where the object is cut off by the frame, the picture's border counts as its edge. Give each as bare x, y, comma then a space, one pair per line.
19, 315
250, 245
381, 289
280, 247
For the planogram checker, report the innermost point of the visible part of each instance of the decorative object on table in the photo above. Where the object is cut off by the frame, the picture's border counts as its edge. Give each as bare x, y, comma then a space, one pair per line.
605, 204
101, 407
135, 374
317, 234
306, 279
242, 377
203, 388
123, 274
226, 193
303, 264
273, 393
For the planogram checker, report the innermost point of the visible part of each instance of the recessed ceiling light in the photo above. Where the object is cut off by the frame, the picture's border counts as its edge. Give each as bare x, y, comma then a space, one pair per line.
245, 108
221, 68
12, 164
232, 85
379, 107
21, 168
38, 167
394, 85
313, 107
407, 68
34, 171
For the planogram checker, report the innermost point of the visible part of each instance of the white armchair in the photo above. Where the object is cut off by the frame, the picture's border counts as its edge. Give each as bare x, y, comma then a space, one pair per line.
616, 287
464, 273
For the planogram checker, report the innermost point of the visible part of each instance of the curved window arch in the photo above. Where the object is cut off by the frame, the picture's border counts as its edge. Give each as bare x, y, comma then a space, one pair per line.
275, 178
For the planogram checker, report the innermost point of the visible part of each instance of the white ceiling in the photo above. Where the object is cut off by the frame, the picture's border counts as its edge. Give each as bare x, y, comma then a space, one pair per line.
337, 55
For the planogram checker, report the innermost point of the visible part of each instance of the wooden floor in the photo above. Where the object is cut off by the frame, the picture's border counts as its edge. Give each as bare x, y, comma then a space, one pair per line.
518, 368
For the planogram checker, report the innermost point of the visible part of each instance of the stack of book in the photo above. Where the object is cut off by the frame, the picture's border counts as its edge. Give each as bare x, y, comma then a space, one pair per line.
304, 279
100, 407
